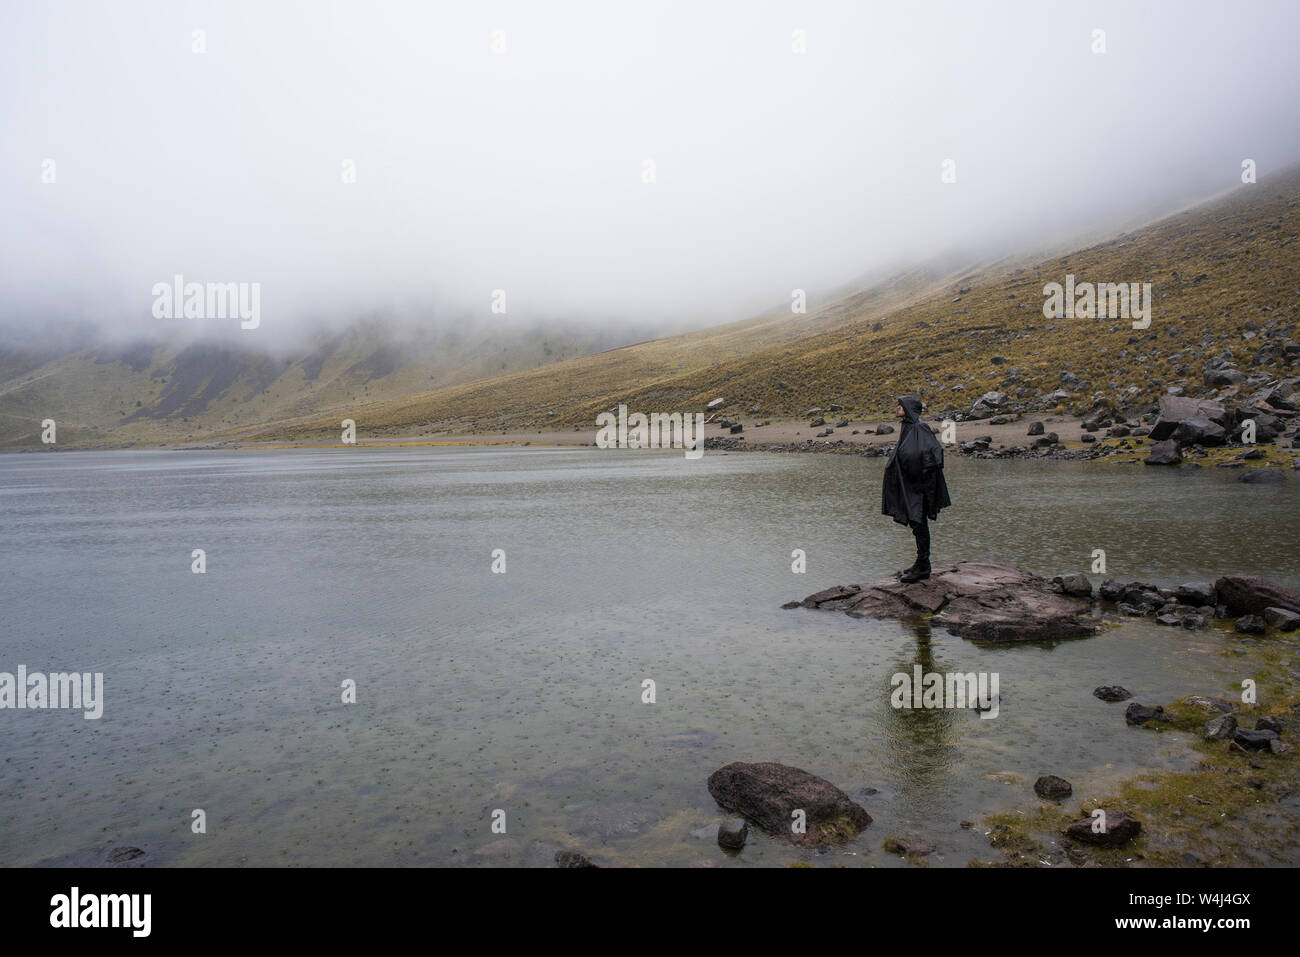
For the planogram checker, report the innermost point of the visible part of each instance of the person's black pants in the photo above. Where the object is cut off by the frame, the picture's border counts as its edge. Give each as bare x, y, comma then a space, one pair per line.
921, 531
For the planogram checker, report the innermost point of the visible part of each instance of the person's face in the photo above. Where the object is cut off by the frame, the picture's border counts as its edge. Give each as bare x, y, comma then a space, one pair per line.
901, 413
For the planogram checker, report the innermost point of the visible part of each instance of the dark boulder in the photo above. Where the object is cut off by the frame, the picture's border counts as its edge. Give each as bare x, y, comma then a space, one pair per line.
1053, 788
1223, 376
1114, 829
1140, 714
768, 794
1199, 431
1248, 594
1221, 728
1284, 395
1254, 740
1112, 693
1164, 453
1075, 584
1035, 428
1195, 593
1251, 625
1282, 619
1176, 409
1111, 590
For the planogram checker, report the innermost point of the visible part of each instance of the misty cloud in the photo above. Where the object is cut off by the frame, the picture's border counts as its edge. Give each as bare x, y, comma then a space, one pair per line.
524, 170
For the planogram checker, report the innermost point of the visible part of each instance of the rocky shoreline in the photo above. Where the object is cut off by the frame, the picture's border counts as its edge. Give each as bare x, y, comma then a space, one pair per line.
1002, 602
1177, 430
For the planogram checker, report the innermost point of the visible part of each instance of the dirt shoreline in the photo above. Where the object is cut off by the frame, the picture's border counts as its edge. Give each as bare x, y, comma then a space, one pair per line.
1010, 434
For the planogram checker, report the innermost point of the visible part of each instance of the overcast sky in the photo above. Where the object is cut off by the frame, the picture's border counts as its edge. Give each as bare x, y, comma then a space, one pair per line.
525, 169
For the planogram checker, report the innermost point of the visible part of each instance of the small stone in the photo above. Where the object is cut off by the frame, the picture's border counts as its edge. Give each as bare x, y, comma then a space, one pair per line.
1112, 693
572, 859
733, 833
1140, 714
1118, 828
1251, 625
1282, 619
1221, 728
1268, 723
1052, 787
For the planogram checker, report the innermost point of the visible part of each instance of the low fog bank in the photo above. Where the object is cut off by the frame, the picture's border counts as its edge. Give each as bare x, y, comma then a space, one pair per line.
653, 169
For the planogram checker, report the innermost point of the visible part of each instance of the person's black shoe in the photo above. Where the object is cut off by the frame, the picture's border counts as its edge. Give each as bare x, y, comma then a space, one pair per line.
915, 575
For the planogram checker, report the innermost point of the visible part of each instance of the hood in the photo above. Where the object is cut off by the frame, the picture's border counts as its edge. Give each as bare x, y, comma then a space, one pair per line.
912, 407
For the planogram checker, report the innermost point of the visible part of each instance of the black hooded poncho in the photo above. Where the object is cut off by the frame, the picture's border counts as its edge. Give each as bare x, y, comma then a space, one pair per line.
914, 488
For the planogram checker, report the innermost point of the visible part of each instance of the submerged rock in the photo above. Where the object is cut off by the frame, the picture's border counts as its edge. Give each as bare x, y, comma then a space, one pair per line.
768, 794
983, 601
908, 846
1262, 477
611, 822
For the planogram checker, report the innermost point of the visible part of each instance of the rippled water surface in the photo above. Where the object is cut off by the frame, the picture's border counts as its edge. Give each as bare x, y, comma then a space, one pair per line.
522, 691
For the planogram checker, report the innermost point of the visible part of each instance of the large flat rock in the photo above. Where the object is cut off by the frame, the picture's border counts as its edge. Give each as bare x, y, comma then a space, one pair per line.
983, 601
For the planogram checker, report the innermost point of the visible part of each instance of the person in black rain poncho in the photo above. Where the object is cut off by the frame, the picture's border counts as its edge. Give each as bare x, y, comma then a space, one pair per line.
914, 489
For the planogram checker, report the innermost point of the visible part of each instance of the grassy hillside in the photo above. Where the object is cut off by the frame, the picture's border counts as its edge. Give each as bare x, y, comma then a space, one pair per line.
1221, 273
158, 391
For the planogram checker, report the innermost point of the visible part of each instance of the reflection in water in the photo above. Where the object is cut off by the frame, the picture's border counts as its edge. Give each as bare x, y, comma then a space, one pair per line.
921, 740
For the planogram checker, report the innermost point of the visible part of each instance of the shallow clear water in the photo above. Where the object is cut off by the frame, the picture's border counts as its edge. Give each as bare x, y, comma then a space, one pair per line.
522, 691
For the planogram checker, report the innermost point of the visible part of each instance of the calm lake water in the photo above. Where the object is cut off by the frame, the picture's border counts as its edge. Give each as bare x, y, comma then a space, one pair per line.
522, 691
